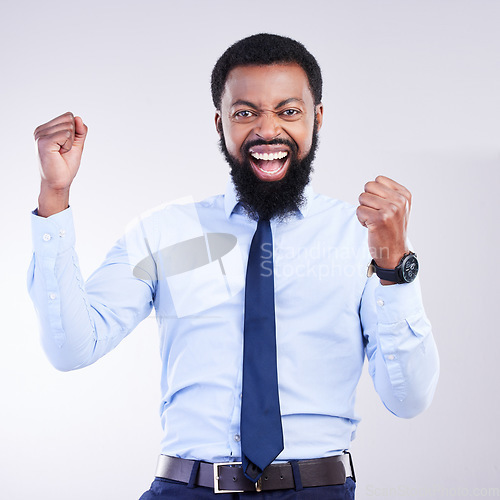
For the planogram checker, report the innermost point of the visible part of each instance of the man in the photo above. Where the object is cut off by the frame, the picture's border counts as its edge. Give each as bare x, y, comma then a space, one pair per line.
260, 366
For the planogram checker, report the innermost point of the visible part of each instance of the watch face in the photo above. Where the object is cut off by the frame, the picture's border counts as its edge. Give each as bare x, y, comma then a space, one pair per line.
410, 268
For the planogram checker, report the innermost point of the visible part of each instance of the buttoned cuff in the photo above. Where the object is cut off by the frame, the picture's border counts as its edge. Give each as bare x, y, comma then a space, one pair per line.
396, 303
52, 235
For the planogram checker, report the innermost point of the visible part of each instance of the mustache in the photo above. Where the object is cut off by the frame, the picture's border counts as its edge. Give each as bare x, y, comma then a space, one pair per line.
245, 148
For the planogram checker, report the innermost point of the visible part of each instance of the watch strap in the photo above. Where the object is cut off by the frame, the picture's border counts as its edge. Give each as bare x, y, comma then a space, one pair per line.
387, 274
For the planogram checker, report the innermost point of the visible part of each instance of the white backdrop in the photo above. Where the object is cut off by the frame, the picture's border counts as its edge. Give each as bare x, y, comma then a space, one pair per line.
412, 91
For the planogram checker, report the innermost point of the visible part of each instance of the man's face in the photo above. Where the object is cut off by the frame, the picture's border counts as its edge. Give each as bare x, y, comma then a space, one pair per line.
268, 124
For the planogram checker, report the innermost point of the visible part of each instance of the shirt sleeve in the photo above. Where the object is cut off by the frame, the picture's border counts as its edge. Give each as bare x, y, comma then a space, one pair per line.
400, 347
80, 322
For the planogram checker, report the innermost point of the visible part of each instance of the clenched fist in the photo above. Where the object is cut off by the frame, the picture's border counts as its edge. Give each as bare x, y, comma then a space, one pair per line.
384, 209
60, 145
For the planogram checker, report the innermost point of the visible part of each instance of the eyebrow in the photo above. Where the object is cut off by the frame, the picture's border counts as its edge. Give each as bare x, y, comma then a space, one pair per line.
288, 101
241, 102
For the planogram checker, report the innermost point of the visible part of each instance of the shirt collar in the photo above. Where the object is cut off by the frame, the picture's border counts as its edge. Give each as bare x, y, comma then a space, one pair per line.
231, 202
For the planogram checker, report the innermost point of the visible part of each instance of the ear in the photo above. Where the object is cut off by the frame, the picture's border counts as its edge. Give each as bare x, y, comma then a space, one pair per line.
319, 115
218, 122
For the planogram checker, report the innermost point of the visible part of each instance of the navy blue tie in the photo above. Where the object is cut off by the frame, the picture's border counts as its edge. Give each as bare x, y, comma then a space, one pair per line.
261, 431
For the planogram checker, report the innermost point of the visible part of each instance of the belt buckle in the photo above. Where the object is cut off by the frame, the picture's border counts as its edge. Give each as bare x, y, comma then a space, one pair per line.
216, 477
258, 484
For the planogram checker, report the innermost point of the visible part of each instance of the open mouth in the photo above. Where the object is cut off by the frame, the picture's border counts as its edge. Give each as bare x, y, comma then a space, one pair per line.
269, 163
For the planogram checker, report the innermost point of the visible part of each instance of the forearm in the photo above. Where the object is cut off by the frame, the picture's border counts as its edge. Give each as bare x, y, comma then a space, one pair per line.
406, 370
404, 362
55, 286
66, 329
80, 322
52, 201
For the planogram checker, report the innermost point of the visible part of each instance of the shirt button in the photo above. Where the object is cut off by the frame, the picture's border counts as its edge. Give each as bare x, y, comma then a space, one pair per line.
390, 357
46, 237
380, 302
52, 296
62, 233
237, 438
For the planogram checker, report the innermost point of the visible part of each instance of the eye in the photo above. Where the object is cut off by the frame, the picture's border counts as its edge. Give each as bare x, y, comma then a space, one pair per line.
290, 113
244, 113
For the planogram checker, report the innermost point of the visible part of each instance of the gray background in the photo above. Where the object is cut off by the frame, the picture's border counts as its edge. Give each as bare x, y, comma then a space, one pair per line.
411, 91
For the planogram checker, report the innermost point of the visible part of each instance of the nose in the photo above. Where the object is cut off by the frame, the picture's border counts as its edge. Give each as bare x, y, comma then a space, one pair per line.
267, 127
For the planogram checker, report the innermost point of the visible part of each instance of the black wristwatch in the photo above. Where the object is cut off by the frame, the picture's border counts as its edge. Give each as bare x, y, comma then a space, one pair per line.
405, 272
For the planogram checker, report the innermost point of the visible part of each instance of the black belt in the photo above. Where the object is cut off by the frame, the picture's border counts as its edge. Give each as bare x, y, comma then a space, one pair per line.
228, 477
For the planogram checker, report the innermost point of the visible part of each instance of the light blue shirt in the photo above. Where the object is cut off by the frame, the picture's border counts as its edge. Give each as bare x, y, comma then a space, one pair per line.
188, 261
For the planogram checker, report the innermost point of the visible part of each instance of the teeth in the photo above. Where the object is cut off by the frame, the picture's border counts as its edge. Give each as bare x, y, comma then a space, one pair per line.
270, 156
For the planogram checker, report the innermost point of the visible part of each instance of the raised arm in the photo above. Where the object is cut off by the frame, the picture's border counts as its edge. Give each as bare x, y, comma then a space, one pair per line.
402, 354
79, 321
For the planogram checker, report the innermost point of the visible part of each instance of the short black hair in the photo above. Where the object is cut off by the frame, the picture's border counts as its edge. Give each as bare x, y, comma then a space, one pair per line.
261, 50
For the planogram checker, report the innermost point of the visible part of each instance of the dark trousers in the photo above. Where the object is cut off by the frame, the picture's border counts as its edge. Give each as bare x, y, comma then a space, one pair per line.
163, 489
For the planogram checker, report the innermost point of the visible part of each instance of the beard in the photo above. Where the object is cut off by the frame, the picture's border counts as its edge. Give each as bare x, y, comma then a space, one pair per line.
268, 199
